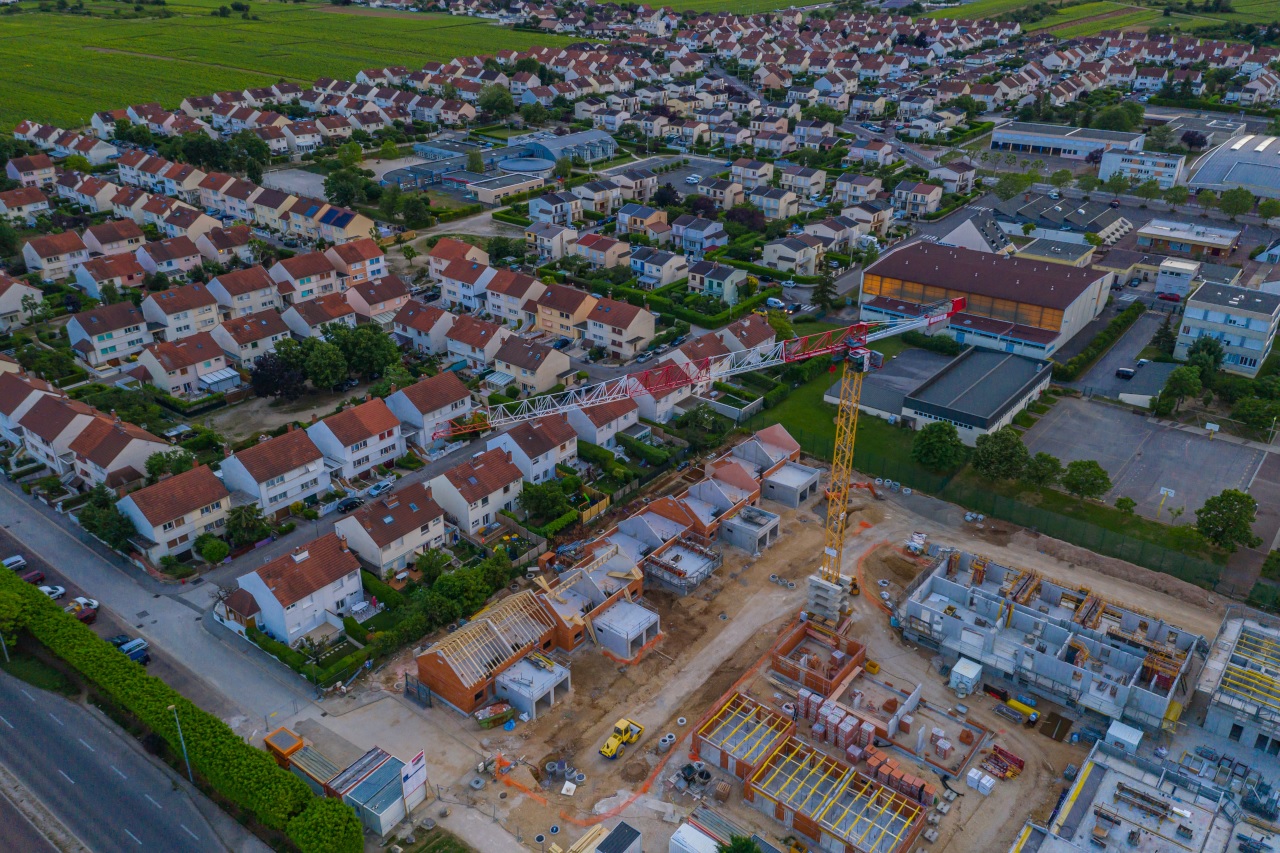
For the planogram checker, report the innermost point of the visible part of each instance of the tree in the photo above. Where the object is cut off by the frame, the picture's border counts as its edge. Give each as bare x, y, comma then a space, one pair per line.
8, 240
744, 219
1093, 239
326, 826
1207, 199
14, 612
938, 447
272, 377
1149, 190
1061, 178
253, 171
1159, 138
1269, 208
824, 293
1194, 139
391, 200
325, 365
740, 843
350, 155
543, 501
1183, 382
1206, 354
1010, 184
1236, 201
1043, 469
432, 563
1177, 194
344, 187
780, 322
388, 151
367, 349
1115, 118
564, 167
409, 253
1116, 184
1227, 519
414, 211
1126, 505
174, 461
1085, 479
245, 524
1088, 183
214, 550
1000, 455
534, 114
475, 161
496, 100
1165, 339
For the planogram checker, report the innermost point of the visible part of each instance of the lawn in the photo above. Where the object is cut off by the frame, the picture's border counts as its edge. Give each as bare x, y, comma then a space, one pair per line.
37, 673
61, 68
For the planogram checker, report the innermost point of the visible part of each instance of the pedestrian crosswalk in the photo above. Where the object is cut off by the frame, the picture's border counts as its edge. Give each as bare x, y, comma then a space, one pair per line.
928, 238
979, 208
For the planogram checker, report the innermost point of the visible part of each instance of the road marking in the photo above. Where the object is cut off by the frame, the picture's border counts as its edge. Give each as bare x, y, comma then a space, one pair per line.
68, 778
118, 773
55, 719
189, 832
86, 744
28, 695
134, 837
7, 723
153, 802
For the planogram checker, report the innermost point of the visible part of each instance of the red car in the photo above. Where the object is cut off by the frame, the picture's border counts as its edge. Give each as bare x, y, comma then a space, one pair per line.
1169, 297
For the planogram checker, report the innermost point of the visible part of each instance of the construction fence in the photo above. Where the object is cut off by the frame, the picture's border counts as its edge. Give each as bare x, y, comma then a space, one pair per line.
1195, 570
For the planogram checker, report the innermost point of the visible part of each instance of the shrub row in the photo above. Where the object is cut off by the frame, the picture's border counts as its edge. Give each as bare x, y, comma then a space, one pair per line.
944, 344
1070, 370
244, 775
652, 455
595, 454
555, 525
512, 218
376, 587
458, 212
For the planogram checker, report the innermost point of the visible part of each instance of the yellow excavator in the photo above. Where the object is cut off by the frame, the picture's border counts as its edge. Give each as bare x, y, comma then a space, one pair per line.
624, 732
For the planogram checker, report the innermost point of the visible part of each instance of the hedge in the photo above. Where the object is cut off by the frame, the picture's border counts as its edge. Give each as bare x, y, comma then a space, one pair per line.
282, 652
458, 212
511, 218
555, 525
595, 454
944, 344
653, 455
354, 629
1101, 342
377, 588
776, 396
244, 775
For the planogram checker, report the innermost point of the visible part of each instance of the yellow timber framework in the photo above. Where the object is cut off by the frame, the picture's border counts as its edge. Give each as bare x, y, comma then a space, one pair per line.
1249, 684
745, 729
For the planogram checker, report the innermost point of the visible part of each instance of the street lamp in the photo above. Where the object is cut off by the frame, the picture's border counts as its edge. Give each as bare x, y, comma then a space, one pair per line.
182, 740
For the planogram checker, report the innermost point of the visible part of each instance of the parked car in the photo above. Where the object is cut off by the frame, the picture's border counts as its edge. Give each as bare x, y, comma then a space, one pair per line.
1115, 202
81, 601
1125, 372
347, 504
644, 356
15, 563
118, 640
35, 576
775, 302
1135, 281
87, 615
693, 179
136, 650
1169, 297
380, 488
54, 592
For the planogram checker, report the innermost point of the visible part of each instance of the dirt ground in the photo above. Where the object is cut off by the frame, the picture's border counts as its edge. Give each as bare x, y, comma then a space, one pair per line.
717, 638
263, 414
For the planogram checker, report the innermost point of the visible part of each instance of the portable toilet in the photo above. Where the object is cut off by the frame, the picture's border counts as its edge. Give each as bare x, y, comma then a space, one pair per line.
1124, 737
965, 677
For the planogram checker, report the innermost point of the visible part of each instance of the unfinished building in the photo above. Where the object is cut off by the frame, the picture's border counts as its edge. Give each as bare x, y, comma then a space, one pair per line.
531, 684
740, 734
1240, 683
1068, 645
830, 803
1124, 803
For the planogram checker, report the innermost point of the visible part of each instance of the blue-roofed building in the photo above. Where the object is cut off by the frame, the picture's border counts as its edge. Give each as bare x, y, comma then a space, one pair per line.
587, 146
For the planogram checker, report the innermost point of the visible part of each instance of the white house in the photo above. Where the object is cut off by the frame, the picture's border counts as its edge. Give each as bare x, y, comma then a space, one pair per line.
108, 333
473, 492
169, 515
392, 531
428, 405
601, 424
314, 584
181, 312
244, 291
536, 447
308, 319
358, 438
279, 471
247, 339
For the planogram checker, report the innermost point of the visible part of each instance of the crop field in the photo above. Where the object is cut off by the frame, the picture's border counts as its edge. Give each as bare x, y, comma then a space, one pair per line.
738, 7
1072, 14
61, 68
1086, 19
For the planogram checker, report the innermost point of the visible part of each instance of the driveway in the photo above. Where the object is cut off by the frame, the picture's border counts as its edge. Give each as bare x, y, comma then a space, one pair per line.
1101, 377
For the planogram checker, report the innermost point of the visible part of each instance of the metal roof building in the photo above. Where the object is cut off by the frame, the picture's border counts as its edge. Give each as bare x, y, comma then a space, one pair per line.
1251, 161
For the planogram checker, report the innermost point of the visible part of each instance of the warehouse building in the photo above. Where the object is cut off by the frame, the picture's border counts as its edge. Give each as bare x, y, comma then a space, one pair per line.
1056, 140
1069, 645
1014, 305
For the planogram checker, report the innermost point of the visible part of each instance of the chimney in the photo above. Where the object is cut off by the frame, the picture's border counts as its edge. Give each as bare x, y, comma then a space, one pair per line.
368, 397
226, 451
393, 388
314, 417
289, 427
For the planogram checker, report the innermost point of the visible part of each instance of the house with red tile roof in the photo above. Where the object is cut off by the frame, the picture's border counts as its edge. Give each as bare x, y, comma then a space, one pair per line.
428, 405
358, 438
278, 472
171, 514
473, 492
313, 585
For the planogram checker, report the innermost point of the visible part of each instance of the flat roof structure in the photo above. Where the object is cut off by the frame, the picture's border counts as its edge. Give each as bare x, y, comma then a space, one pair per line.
979, 386
1168, 231
1069, 645
1066, 131
1056, 251
1237, 299
1242, 673
1123, 804
530, 684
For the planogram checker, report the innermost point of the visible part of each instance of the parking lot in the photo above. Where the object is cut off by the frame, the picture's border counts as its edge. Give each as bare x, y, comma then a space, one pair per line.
1149, 379
1142, 456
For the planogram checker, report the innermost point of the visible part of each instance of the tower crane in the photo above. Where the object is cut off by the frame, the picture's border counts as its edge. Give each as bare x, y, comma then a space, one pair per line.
829, 589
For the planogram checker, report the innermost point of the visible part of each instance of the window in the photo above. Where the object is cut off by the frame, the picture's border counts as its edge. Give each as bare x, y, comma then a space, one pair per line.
169, 525
1236, 731
360, 445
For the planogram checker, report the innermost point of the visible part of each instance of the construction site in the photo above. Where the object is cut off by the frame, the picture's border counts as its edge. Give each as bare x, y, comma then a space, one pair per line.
769, 648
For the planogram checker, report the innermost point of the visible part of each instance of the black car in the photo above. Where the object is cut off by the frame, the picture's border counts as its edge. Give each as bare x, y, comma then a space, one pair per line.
347, 504
563, 343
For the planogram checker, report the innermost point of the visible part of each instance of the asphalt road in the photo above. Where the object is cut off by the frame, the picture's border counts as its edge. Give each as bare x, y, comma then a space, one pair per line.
1101, 377
112, 798
168, 616
17, 833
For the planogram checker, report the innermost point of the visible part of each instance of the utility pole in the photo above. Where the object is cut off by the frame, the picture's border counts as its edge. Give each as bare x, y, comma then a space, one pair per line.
182, 740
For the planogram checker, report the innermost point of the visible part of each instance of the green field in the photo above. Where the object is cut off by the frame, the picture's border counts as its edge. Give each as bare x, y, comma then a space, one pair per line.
61, 68
1071, 22
1076, 13
738, 7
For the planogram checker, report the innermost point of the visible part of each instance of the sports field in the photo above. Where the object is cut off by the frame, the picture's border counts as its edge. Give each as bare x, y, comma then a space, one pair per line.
61, 68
